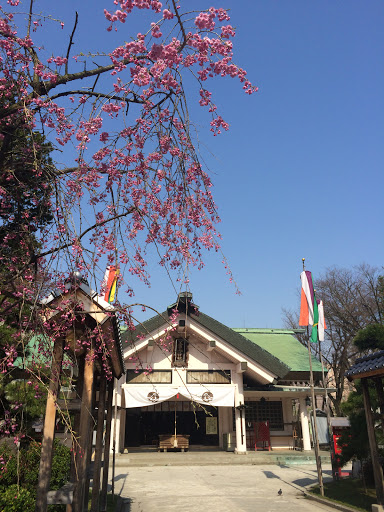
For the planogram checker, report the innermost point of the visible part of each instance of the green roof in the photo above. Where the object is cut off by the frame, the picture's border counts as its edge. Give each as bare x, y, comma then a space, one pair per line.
37, 353
255, 351
282, 344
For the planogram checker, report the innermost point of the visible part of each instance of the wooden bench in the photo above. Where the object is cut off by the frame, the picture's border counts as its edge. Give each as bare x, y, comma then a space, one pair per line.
169, 442
63, 496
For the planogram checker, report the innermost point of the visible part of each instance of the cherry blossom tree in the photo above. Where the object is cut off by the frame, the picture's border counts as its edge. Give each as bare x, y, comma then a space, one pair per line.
132, 182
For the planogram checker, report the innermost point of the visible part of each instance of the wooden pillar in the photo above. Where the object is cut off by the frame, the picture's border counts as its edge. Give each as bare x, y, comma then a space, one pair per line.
99, 443
107, 448
304, 425
380, 395
85, 426
49, 428
377, 470
114, 438
241, 442
89, 448
76, 423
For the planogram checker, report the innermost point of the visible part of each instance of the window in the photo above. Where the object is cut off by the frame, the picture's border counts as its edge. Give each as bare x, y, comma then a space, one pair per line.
209, 377
267, 410
263, 411
180, 352
145, 377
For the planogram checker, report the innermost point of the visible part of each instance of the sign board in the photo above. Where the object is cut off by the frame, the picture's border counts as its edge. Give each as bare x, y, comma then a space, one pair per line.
210, 425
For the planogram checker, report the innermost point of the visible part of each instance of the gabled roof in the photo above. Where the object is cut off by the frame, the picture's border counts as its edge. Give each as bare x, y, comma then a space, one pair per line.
367, 366
244, 345
283, 345
103, 314
263, 357
144, 328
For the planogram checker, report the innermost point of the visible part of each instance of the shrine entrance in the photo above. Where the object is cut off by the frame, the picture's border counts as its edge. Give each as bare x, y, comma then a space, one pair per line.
144, 425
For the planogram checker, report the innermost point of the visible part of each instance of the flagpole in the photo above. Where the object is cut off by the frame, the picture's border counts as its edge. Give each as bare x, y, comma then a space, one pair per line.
328, 411
316, 436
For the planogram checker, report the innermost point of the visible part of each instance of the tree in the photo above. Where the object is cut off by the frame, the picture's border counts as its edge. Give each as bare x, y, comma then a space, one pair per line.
354, 441
352, 300
372, 336
25, 209
26, 187
132, 179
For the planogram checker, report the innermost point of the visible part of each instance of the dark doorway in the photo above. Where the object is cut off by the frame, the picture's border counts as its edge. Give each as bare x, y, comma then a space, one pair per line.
132, 427
143, 426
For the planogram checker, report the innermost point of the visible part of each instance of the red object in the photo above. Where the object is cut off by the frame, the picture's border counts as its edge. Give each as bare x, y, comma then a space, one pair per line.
336, 446
262, 435
337, 431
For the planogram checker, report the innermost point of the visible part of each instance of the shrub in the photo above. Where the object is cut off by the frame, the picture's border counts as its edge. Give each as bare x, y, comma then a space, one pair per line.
8, 465
13, 499
61, 464
29, 462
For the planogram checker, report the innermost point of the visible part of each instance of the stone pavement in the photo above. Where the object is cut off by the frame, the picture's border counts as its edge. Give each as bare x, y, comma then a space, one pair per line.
243, 486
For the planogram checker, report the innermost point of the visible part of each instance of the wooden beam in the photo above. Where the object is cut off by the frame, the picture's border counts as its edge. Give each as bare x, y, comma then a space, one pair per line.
76, 424
114, 440
85, 426
150, 346
90, 443
211, 345
69, 405
99, 443
372, 373
49, 428
242, 367
107, 448
377, 470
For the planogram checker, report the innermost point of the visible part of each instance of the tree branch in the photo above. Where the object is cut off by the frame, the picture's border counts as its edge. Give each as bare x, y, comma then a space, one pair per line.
97, 94
94, 226
71, 41
181, 25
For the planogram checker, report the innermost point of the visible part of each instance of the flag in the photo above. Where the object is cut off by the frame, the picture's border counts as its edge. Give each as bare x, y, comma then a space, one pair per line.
315, 320
110, 283
307, 295
311, 310
322, 324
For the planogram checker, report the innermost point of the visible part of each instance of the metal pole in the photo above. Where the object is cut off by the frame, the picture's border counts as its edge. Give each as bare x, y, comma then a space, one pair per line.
316, 436
328, 411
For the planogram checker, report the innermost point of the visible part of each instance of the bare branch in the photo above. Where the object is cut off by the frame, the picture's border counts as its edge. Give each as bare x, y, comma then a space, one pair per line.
97, 95
71, 41
82, 235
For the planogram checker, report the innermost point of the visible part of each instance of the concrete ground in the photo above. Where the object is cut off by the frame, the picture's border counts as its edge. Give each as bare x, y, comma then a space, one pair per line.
171, 484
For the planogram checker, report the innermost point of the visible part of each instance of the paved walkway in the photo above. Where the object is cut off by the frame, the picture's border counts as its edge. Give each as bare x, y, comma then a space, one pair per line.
151, 487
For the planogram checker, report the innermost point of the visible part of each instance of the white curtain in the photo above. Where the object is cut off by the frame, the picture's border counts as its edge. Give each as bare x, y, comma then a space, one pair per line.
220, 396
143, 396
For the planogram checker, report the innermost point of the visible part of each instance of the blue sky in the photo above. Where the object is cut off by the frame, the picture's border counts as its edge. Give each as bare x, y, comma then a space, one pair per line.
300, 173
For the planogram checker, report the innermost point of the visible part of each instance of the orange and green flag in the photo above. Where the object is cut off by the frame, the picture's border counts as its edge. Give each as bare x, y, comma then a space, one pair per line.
110, 283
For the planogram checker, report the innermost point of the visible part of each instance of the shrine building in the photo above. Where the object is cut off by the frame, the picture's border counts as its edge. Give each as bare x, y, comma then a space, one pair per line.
192, 381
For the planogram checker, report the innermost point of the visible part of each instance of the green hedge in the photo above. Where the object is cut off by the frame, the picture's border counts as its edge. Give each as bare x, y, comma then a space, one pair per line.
22, 499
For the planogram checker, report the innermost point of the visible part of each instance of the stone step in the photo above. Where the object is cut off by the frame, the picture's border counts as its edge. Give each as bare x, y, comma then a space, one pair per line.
215, 458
